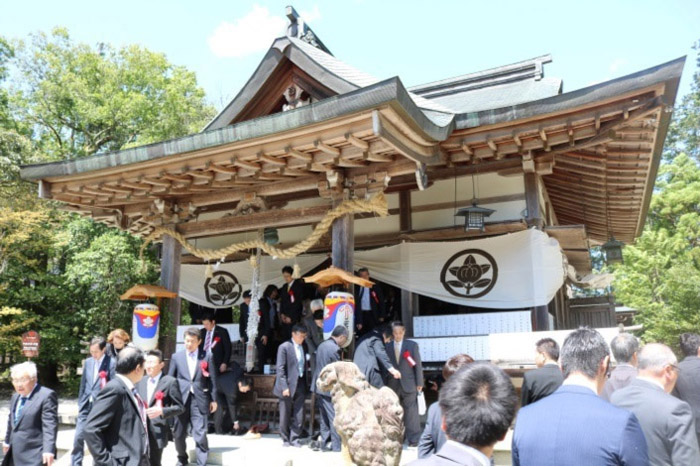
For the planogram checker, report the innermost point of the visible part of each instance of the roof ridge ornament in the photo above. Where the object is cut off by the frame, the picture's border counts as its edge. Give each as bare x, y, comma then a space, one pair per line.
299, 29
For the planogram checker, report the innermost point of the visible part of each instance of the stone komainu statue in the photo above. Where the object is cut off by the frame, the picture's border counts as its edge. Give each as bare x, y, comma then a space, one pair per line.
368, 420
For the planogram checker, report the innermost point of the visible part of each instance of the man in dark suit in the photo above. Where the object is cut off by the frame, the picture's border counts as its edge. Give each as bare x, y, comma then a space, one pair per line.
268, 335
433, 437
116, 431
162, 396
688, 385
196, 377
624, 348
291, 385
229, 386
32, 424
327, 353
478, 405
370, 310
291, 298
666, 421
97, 372
547, 377
405, 356
579, 427
314, 325
371, 356
215, 340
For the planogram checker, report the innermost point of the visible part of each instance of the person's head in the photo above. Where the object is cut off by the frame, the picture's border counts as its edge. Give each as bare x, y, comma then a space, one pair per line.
192, 339
478, 405
97, 347
387, 333
208, 320
624, 348
245, 384
363, 273
299, 333
23, 377
318, 318
154, 363
690, 344
287, 272
340, 334
398, 330
585, 354
658, 362
455, 363
130, 363
118, 338
546, 350
246, 297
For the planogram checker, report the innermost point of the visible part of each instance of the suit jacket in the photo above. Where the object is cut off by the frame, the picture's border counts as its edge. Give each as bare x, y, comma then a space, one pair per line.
411, 377
227, 383
327, 353
287, 376
688, 387
289, 306
372, 359
263, 322
454, 453
172, 406
36, 429
221, 350
620, 377
376, 302
203, 387
574, 426
666, 421
540, 382
114, 432
88, 388
433, 438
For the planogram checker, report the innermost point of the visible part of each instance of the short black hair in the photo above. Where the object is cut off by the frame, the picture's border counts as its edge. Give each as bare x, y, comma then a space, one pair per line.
623, 347
246, 294
455, 363
318, 314
385, 330
246, 381
362, 270
478, 403
288, 270
339, 331
129, 359
155, 353
98, 341
549, 347
689, 342
194, 332
209, 315
269, 289
583, 351
299, 328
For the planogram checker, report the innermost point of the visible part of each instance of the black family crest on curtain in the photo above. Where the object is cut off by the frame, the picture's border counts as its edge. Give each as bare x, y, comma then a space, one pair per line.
223, 289
469, 274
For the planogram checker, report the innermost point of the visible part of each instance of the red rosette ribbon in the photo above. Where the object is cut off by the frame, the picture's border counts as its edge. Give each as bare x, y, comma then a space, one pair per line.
103, 378
374, 296
409, 359
291, 295
159, 396
204, 366
216, 339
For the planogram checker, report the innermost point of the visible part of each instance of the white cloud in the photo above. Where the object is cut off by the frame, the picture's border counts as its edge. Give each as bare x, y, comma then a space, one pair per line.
311, 16
617, 64
247, 35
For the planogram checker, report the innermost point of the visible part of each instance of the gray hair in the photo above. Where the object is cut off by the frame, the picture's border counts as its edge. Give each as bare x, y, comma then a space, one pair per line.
340, 331
654, 357
316, 304
623, 347
25, 368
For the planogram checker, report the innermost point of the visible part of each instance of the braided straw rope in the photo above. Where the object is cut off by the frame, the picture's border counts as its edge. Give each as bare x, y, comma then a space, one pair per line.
377, 205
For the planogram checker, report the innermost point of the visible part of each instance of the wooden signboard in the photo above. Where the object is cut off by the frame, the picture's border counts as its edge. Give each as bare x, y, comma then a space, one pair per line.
30, 344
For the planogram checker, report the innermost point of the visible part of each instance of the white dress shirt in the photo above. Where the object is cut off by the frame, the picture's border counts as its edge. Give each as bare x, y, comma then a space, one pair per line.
151, 385
96, 368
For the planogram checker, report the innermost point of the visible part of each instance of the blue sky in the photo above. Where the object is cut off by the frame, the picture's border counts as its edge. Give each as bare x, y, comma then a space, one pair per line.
223, 41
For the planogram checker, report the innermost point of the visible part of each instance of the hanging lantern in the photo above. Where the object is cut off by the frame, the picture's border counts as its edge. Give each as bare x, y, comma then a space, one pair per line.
613, 251
270, 236
474, 216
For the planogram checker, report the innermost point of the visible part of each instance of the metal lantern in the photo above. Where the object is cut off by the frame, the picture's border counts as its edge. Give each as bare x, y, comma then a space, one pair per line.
270, 236
474, 216
613, 251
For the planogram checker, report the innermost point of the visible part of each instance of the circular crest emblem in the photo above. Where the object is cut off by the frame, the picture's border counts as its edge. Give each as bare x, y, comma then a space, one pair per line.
223, 289
469, 274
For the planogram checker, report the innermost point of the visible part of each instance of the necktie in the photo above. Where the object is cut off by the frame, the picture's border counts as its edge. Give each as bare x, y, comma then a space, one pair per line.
96, 371
397, 352
142, 414
207, 341
300, 360
20, 406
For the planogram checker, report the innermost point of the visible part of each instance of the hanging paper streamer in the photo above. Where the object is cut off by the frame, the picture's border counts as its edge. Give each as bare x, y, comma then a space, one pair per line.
145, 326
339, 310
253, 308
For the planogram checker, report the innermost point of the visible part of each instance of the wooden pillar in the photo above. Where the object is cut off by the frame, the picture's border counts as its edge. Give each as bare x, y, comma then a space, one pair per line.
407, 305
539, 314
405, 221
170, 279
343, 241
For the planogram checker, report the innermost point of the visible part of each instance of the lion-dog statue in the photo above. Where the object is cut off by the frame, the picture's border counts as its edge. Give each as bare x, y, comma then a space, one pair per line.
368, 420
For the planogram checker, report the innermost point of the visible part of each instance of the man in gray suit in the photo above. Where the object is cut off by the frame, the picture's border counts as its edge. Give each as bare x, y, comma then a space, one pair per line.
688, 385
478, 405
666, 421
405, 355
327, 353
624, 347
32, 425
371, 356
291, 385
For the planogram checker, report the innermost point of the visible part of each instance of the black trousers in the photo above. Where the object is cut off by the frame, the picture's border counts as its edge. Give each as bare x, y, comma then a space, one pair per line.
155, 455
327, 416
226, 405
292, 413
411, 419
262, 353
198, 420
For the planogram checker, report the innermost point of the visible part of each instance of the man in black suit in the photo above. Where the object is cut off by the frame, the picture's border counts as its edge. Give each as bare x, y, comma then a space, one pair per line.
371, 356
327, 353
269, 337
369, 305
32, 424
291, 386
116, 431
196, 376
688, 385
624, 348
97, 372
667, 422
229, 386
478, 405
162, 396
314, 325
262, 338
405, 355
547, 377
291, 298
215, 340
